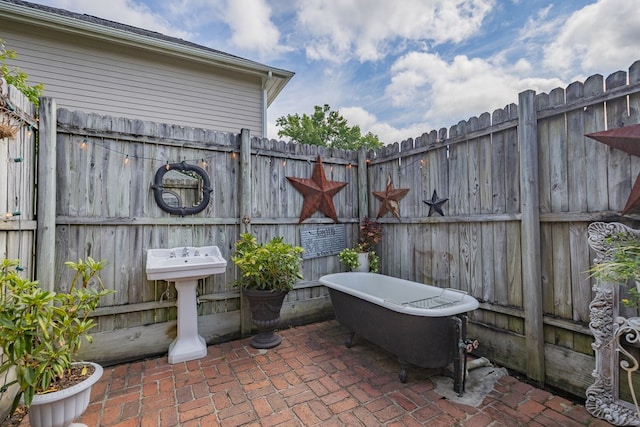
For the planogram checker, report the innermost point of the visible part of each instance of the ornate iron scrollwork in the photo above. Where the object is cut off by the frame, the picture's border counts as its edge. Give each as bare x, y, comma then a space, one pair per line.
608, 329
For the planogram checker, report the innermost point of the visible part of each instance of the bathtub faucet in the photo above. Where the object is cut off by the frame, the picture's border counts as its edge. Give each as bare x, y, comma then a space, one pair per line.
185, 252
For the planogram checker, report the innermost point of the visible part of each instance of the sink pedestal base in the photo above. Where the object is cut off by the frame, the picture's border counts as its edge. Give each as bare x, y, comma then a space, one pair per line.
188, 345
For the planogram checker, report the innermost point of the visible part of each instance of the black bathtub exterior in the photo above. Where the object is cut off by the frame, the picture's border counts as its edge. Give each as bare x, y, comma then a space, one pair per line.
427, 342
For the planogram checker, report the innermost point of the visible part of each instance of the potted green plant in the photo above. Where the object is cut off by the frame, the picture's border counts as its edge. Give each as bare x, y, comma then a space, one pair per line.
621, 264
268, 271
41, 332
357, 259
363, 257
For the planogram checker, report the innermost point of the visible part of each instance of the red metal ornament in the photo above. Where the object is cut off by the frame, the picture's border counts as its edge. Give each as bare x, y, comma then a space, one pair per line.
318, 193
625, 139
390, 198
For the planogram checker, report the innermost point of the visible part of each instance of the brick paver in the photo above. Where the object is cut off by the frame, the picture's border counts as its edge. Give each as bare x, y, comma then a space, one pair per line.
311, 379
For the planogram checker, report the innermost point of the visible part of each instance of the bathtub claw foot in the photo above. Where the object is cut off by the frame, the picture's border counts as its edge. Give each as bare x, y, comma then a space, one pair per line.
404, 374
349, 342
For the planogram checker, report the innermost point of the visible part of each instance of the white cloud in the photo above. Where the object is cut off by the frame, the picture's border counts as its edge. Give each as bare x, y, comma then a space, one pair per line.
368, 122
600, 38
252, 28
457, 90
365, 29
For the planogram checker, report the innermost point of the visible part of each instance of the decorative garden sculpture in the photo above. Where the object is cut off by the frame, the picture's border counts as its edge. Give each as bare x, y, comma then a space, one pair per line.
609, 330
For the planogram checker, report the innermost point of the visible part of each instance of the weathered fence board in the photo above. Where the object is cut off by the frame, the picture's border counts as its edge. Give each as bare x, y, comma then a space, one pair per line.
17, 178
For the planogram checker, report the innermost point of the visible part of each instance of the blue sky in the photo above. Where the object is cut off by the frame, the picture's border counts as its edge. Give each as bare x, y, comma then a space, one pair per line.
400, 68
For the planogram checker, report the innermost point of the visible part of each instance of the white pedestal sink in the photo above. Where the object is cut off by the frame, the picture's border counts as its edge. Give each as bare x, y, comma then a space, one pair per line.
184, 266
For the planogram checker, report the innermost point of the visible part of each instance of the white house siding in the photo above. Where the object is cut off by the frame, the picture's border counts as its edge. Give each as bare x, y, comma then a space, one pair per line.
96, 76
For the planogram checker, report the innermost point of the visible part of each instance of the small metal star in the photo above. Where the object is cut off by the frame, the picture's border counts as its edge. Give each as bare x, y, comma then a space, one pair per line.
435, 204
390, 198
317, 192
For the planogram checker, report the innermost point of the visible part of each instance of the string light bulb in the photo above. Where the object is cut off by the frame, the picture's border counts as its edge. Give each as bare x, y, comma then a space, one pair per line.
29, 131
83, 144
12, 214
126, 160
203, 163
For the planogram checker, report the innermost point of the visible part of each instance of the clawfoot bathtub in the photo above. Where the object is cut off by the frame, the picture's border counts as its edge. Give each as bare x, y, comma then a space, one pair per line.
421, 324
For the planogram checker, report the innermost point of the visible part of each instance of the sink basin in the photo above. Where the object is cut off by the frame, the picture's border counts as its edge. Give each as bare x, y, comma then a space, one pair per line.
184, 266
172, 265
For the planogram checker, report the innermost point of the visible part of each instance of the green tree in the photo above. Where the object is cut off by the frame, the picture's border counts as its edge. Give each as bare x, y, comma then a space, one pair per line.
16, 77
325, 128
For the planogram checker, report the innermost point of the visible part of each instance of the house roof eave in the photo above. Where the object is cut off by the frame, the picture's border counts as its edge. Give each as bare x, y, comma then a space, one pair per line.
146, 40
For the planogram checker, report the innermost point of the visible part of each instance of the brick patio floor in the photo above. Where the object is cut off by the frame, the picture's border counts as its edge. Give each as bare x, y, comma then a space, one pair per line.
310, 379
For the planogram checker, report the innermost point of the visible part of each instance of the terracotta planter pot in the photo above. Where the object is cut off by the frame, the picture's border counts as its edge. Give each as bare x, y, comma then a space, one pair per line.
60, 408
265, 314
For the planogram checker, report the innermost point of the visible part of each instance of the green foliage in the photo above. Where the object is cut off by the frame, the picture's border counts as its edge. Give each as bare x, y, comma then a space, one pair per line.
369, 234
634, 298
274, 265
621, 265
325, 128
622, 262
374, 262
349, 257
41, 331
16, 77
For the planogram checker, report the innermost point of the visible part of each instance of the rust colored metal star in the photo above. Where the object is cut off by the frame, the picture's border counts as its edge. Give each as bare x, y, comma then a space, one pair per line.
390, 198
625, 139
318, 193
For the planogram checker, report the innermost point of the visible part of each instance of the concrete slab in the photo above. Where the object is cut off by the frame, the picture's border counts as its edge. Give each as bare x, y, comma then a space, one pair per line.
479, 384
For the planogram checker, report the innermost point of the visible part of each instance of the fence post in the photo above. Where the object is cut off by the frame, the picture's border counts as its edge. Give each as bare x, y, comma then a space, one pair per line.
245, 212
530, 235
363, 198
46, 207
245, 180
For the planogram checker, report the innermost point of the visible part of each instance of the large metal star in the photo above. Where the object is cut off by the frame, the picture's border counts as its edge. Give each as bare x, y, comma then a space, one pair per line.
390, 198
435, 204
625, 139
318, 193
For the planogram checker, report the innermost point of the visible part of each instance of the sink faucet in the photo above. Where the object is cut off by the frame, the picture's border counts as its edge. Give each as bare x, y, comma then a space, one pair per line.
185, 252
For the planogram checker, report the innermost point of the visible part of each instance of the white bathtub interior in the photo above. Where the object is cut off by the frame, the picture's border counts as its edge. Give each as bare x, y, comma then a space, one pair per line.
401, 295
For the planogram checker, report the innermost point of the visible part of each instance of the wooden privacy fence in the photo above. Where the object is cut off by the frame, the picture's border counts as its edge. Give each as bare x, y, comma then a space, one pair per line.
17, 195
105, 209
17, 178
522, 183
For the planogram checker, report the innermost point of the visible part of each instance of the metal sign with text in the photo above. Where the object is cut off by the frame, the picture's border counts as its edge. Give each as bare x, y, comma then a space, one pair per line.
322, 240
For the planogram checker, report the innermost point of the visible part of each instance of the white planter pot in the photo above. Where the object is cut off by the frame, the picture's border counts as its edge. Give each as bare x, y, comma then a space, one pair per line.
363, 259
60, 408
